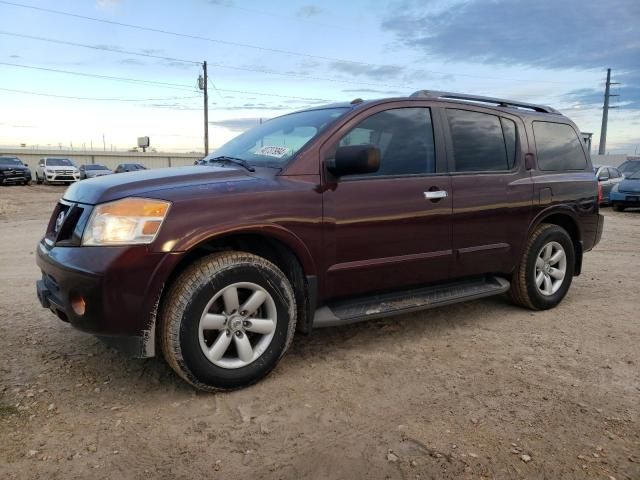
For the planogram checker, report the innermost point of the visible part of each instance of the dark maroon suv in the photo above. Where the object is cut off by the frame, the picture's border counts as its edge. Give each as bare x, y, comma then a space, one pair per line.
323, 217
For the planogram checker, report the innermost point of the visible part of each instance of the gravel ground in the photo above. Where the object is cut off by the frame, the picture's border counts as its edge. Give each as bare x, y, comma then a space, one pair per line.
475, 390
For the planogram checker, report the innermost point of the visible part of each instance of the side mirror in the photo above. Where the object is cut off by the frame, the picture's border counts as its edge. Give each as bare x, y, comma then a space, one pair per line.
354, 160
26, 164
603, 178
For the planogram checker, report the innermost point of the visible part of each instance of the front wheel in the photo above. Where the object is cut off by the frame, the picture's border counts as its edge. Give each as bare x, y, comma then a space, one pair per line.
227, 320
545, 272
618, 208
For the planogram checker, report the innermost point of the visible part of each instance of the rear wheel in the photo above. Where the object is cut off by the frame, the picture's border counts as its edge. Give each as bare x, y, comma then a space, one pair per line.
227, 320
545, 272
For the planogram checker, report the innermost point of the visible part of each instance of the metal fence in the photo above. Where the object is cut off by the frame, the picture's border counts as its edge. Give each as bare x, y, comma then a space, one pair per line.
109, 159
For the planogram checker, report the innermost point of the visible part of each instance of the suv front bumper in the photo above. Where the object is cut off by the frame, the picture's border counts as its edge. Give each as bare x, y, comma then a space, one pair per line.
62, 176
120, 287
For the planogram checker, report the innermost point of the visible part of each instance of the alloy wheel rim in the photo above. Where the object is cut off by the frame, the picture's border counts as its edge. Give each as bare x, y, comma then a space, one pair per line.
237, 325
550, 268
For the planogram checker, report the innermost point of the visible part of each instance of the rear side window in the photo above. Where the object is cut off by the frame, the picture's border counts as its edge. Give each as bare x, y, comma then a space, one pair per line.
481, 142
404, 137
558, 147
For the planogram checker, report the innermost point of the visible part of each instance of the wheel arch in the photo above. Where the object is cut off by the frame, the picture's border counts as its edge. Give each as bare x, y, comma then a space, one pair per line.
566, 219
284, 250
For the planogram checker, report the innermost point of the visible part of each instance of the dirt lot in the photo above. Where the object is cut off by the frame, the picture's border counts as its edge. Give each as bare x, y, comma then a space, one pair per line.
468, 391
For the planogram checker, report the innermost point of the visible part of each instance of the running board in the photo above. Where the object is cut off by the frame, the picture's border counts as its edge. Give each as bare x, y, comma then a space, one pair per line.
406, 301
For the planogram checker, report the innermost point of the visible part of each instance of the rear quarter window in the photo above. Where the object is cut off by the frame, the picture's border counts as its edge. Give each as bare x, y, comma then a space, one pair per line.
558, 147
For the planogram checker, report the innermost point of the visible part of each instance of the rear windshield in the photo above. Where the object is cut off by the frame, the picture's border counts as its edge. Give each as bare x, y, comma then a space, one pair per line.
558, 147
630, 166
9, 161
59, 162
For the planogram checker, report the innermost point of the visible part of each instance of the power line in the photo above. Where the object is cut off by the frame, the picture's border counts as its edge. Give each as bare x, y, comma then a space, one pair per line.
175, 86
69, 97
193, 62
99, 47
266, 49
186, 35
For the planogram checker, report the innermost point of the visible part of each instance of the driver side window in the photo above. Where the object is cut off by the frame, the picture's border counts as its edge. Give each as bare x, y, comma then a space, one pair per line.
404, 137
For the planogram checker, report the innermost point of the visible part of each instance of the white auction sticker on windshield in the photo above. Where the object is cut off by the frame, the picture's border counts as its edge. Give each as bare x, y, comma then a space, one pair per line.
273, 151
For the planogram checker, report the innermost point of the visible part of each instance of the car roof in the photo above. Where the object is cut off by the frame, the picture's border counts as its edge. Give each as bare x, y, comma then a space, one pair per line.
514, 107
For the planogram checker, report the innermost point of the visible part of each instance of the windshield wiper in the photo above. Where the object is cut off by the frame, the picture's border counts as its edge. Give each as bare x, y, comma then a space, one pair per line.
234, 160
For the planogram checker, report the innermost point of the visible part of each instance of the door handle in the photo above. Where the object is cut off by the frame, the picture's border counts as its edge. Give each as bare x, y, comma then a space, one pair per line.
436, 194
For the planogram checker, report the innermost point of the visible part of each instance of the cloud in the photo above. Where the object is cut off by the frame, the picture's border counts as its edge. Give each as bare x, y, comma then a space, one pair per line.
373, 90
380, 72
132, 61
14, 56
543, 34
108, 4
308, 11
237, 124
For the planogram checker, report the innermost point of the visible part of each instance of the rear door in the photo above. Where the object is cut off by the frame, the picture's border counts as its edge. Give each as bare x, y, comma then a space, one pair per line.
391, 228
491, 188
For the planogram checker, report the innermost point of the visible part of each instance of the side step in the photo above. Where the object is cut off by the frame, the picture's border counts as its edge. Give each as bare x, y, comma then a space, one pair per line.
377, 306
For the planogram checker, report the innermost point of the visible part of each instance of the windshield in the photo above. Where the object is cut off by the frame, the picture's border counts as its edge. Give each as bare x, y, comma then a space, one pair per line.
95, 167
276, 141
59, 162
630, 166
10, 161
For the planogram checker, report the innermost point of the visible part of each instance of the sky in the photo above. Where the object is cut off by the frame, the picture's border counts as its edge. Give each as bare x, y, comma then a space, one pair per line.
268, 58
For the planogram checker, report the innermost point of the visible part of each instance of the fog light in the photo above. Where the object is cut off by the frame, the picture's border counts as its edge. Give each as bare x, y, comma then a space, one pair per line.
78, 305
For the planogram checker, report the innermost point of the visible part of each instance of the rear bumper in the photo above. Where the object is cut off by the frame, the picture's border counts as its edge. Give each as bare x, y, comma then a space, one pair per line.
120, 286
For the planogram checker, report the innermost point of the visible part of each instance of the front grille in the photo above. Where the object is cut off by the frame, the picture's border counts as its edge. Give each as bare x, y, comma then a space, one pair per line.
63, 224
63, 172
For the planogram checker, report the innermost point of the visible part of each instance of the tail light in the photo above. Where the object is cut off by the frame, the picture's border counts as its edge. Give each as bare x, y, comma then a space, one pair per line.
599, 193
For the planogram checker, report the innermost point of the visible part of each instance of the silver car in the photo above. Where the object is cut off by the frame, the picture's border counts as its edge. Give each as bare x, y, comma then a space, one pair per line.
93, 170
608, 177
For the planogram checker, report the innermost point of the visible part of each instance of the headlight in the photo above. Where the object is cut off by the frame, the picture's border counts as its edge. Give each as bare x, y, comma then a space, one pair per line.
125, 222
615, 188
48, 170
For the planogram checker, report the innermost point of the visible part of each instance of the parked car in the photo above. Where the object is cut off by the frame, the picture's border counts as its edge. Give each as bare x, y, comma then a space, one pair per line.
92, 170
607, 177
54, 170
629, 167
626, 194
12, 170
129, 167
324, 217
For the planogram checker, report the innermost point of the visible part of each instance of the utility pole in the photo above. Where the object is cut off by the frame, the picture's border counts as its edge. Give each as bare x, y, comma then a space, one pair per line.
203, 81
605, 113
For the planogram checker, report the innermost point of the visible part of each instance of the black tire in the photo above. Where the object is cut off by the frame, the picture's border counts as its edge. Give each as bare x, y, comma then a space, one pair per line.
186, 300
523, 287
38, 180
618, 208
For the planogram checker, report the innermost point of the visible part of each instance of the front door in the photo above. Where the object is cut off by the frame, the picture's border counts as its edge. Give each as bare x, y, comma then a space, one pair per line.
391, 228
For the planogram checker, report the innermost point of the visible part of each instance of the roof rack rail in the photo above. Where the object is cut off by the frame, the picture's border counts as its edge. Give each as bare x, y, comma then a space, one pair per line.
500, 102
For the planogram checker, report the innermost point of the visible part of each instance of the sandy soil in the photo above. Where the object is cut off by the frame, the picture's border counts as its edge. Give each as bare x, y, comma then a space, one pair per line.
467, 391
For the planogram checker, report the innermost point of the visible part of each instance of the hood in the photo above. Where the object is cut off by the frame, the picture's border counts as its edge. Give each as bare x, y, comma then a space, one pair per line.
629, 185
143, 183
13, 167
